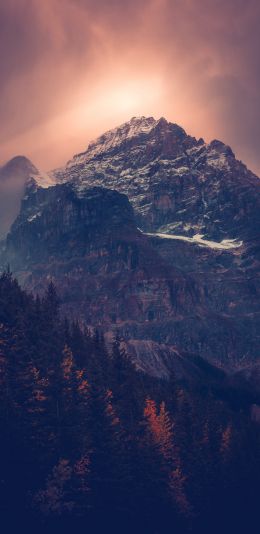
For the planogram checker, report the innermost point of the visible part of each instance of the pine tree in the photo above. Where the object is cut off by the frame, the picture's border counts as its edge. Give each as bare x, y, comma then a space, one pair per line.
51, 303
162, 433
55, 498
68, 403
4, 383
124, 386
226, 443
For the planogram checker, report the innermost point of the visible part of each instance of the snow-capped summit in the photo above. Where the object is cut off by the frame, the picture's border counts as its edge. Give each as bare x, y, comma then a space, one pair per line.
177, 184
115, 137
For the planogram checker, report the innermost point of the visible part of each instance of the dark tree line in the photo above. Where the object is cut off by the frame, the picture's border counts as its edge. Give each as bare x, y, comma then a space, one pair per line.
89, 443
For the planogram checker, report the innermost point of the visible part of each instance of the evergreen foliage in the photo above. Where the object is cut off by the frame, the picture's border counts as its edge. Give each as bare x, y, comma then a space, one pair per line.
90, 443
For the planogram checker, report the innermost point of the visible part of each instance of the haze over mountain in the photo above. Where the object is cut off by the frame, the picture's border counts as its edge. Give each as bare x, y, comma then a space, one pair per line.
154, 234
14, 176
72, 69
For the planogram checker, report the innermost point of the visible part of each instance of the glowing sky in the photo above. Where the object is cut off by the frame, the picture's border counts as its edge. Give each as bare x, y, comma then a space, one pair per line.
71, 69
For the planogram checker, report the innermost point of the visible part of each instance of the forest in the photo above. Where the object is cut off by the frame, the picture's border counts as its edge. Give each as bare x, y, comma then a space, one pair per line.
91, 444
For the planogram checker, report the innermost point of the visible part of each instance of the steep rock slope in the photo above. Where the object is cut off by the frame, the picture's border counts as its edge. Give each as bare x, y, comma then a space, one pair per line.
111, 275
71, 236
201, 209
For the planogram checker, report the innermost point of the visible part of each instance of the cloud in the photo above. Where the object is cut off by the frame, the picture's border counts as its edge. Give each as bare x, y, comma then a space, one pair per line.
71, 69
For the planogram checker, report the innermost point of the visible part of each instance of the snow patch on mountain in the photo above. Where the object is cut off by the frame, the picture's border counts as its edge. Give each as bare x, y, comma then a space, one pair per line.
44, 179
35, 216
197, 239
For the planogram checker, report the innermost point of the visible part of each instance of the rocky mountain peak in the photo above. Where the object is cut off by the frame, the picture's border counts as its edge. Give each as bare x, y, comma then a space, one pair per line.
21, 169
219, 155
112, 139
178, 185
138, 130
153, 233
17, 168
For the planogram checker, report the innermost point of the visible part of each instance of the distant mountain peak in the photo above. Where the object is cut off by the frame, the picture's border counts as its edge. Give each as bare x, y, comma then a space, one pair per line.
16, 165
20, 168
17, 177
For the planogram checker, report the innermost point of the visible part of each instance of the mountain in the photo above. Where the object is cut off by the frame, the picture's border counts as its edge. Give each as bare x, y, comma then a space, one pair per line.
176, 184
15, 175
106, 270
152, 234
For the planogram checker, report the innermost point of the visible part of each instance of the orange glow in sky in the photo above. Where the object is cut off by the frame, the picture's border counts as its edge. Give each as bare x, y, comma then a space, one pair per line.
73, 69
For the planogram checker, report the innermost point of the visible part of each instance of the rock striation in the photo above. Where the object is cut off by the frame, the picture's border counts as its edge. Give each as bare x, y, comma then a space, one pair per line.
155, 235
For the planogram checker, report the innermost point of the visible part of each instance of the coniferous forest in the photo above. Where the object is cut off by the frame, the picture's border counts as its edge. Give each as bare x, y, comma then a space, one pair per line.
90, 444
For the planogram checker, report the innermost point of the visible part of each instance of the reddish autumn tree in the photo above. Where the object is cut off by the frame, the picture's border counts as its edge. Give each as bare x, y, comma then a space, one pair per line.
161, 429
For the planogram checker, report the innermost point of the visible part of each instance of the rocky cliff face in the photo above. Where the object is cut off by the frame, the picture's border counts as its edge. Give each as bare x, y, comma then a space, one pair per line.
153, 234
91, 241
164, 296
